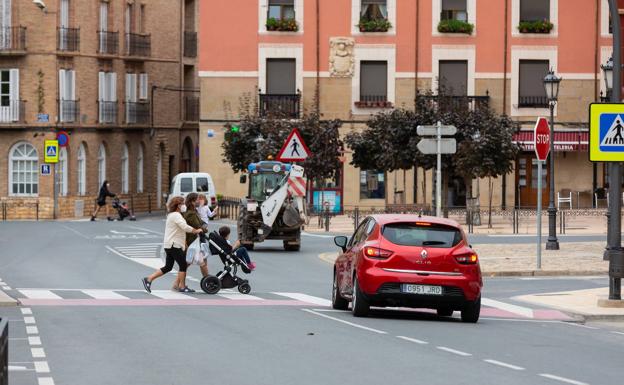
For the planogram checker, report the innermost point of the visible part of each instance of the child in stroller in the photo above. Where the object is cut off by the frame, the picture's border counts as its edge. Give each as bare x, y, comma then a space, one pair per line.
226, 278
122, 209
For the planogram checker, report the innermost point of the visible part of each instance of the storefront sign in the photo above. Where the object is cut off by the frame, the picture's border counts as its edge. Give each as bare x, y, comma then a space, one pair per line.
606, 132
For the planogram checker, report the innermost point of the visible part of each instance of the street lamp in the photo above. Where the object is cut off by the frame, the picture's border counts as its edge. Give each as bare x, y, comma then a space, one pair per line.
551, 85
607, 70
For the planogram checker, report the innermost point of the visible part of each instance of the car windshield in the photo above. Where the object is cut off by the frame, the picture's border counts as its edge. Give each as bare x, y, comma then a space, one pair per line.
186, 185
413, 234
263, 185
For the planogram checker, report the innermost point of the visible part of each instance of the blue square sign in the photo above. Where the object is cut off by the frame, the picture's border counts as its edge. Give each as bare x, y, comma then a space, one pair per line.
46, 169
611, 134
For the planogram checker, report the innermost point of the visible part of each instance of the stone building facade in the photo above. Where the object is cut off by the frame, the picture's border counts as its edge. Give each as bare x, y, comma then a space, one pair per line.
511, 46
119, 77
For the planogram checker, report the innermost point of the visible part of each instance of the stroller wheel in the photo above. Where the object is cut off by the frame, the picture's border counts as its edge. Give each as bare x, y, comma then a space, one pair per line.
210, 284
244, 288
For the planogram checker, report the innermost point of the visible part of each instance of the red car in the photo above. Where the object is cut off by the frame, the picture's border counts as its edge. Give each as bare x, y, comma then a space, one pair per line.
408, 261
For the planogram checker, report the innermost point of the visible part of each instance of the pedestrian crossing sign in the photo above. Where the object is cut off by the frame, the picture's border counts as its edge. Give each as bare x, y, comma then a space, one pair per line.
606, 132
51, 151
294, 149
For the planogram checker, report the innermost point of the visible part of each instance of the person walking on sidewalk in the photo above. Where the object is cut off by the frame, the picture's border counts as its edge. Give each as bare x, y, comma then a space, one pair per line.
101, 200
174, 244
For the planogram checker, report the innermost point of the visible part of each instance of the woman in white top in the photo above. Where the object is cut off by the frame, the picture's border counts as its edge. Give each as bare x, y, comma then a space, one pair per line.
174, 244
204, 209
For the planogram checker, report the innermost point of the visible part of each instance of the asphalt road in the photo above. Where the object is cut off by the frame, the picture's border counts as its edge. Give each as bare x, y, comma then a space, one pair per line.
86, 319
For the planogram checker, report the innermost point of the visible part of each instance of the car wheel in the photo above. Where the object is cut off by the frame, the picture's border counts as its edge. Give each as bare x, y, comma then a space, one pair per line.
470, 312
338, 302
445, 312
360, 306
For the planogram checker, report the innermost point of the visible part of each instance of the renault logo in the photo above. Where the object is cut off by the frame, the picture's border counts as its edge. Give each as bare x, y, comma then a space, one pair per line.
423, 254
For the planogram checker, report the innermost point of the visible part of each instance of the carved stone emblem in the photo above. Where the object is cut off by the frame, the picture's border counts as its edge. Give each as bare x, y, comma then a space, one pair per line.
341, 60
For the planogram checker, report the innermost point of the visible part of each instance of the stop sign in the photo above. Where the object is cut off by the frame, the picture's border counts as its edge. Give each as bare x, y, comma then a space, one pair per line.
541, 139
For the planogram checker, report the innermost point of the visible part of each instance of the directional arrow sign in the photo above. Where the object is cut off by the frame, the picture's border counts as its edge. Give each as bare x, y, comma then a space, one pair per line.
430, 146
433, 130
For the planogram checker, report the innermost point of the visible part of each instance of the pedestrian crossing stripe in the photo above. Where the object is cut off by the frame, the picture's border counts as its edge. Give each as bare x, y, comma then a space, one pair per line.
606, 132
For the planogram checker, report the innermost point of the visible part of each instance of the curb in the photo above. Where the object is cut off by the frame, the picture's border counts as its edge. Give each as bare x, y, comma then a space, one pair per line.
6, 300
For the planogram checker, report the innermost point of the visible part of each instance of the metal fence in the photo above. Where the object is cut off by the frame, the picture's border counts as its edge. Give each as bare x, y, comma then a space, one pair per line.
229, 207
4, 351
26, 209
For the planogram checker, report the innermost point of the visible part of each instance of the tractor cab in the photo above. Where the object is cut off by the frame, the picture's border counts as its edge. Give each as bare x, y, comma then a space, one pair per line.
264, 178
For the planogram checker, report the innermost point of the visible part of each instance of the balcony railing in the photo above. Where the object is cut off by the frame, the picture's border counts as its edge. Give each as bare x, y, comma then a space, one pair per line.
13, 40
191, 109
190, 44
107, 112
138, 45
11, 111
373, 101
533, 102
69, 111
137, 112
108, 43
452, 102
287, 106
68, 39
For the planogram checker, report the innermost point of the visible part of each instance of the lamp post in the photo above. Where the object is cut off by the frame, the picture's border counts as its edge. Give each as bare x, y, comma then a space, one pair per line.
607, 70
551, 85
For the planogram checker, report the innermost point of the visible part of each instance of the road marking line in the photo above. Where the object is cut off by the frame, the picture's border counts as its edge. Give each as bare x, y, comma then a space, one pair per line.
345, 322
37, 352
453, 351
34, 340
26, 311
104, 294
144, 229
504, 365
17, 338
6, 288
75, 231
39, 294
331, 310
239, 296
520, 310
562, 379
168, 294
45, 381
520, 320
414, 340
29, 320
32, 330
620, 333
306, 298
42, 367
581, 326
316, 235
17, 368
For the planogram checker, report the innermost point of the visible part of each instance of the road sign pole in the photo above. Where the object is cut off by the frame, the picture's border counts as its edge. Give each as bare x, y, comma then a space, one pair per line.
56, 193
539, 214
439, 172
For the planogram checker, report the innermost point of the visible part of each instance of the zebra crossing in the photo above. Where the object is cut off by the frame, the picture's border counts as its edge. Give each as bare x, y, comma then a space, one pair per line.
147, 254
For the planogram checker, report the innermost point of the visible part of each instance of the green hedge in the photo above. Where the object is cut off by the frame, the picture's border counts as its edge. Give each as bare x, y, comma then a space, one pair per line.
284, 25
538, 26
455, 26
375, 25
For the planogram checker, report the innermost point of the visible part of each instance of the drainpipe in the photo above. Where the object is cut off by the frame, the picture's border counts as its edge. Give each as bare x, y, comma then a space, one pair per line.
416, 62
597, 50
318, 59
505, 58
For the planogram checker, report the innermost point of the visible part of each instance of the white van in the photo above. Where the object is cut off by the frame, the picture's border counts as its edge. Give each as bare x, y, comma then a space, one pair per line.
188, 182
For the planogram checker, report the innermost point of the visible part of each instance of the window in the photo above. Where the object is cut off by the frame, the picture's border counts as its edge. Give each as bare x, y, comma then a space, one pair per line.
281, 76
62, 172
104, 16
374, 10
131, 97
186, 185
454, 10
107, 97
139, 170
410, 234
5, 24
143, 86
142, 19
125, 170
281, 9
534, 10
82, 170
453, 77
68, 108
101, 165
531, 89
23, 170
9, 95
372, 184
373, 81
202, 184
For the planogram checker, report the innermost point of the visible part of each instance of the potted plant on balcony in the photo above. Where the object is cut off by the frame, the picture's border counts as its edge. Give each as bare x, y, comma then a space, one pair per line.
374, 25
538, 26
282, 25
455, 26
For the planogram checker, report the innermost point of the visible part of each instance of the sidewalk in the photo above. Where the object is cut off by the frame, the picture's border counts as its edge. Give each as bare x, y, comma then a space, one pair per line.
582, 303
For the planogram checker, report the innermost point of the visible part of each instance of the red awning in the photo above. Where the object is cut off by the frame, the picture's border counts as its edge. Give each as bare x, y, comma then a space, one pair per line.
564, 140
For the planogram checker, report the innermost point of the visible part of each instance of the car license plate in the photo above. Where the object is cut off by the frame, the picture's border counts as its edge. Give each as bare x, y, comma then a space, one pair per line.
421, 289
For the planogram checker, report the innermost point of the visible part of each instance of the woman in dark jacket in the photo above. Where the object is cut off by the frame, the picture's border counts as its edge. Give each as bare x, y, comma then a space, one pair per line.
101, 200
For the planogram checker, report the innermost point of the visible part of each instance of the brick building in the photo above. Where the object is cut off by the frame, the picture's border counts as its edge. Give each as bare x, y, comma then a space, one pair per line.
492, 51
119, 76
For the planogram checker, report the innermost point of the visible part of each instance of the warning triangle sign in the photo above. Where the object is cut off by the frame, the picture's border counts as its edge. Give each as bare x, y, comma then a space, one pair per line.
295, 149
51, 151
614, 136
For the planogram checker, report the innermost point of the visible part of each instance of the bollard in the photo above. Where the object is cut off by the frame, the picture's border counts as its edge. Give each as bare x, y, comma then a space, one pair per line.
37, 210
149, 203
327, 219
4, 351
470, 222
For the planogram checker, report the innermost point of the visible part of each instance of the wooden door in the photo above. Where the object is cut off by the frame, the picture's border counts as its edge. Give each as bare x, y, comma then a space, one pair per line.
527, 180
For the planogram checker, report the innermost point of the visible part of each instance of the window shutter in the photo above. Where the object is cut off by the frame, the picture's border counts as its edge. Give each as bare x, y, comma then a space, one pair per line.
71, 85
103, 16
101, 86
64, 13
112, 84
14, 82
143, 86
62, 84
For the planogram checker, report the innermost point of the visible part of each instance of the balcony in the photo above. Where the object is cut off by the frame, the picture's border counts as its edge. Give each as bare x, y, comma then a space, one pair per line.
191, 109
68, 40
373, 101
532, 102
286, 106
138, 45
108, 43
69, 111
190, 44
451, 102
107, 112
138, 113
13, 41
11, 111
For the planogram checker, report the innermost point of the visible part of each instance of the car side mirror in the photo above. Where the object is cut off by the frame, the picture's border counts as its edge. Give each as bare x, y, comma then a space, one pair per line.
341, 241
243, 178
